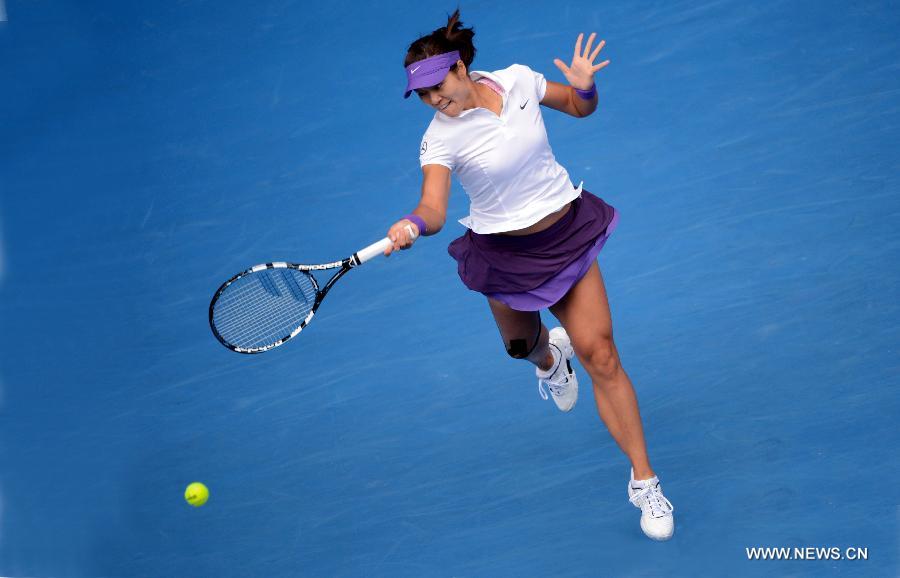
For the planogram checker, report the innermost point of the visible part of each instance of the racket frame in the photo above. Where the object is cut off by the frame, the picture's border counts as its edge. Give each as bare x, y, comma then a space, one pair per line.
345, 265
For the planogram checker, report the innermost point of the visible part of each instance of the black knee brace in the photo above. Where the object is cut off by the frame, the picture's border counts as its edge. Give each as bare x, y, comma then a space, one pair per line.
518, 348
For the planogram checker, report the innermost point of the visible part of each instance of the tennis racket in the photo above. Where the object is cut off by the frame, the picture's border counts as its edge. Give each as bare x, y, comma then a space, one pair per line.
266, 305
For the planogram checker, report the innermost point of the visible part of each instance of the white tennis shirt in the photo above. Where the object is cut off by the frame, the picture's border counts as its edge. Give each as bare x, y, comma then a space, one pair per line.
504, 163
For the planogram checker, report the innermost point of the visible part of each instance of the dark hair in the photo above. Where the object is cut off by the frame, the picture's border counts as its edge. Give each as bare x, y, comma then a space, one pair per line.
445, 39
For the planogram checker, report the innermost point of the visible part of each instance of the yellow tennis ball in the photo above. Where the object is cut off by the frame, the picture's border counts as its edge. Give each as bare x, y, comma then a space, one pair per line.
196, 494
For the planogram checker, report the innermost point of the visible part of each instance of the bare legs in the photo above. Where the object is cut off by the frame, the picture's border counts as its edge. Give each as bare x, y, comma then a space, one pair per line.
584, 313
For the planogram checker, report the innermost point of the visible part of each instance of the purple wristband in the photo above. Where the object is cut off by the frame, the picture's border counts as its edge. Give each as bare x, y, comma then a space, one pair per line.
587, 94
418, 221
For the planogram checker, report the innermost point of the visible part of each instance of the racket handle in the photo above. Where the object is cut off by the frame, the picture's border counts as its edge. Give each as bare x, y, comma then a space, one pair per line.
380, 247
372, 250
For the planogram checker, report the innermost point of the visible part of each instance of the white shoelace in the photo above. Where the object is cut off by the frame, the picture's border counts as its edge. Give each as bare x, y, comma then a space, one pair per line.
556, 389
654, 498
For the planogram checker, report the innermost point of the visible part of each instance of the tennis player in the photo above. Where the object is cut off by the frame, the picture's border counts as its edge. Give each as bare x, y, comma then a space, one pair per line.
532, 237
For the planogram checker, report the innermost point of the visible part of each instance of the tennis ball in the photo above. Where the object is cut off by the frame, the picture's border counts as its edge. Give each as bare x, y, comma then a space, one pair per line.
196, 494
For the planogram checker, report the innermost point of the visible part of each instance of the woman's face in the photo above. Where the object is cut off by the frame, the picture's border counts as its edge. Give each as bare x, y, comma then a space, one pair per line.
448, 96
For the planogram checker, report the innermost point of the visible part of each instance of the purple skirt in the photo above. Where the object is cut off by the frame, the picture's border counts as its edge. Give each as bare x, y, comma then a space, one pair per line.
532, 272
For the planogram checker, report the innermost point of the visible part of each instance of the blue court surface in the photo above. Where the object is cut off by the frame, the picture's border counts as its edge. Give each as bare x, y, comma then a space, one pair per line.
150, 150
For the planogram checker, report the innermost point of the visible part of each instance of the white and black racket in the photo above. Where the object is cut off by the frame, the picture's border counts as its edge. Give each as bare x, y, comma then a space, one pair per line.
266, 305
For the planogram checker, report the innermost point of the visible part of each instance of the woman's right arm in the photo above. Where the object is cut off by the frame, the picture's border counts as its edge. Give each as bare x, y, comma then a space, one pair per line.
432, 208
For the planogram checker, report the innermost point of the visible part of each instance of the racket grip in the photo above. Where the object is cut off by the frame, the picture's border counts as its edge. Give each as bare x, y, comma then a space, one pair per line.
380, 247
373, 250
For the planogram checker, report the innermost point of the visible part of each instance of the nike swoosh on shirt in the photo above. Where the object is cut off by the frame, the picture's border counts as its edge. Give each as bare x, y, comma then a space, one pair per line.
522, 107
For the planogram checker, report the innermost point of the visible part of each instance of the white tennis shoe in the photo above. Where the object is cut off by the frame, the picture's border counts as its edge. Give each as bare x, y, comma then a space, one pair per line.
657, 520
560, 379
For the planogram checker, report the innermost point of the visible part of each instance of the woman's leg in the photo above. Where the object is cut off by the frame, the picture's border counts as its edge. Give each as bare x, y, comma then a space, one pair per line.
584, 313
524, 336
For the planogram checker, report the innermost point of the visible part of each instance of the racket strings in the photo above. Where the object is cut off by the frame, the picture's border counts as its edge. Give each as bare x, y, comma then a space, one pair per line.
263, 307
262, 311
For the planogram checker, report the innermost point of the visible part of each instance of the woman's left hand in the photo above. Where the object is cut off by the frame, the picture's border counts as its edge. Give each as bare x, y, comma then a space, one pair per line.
580, 73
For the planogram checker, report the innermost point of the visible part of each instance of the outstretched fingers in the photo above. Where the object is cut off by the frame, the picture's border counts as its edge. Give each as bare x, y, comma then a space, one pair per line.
597, 50
587, 49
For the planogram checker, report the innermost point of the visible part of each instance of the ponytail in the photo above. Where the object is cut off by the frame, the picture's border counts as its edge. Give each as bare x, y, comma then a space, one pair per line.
448, 38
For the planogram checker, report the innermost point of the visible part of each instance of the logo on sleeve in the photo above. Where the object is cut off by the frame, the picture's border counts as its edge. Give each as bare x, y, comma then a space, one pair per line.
524, 104
423, 148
